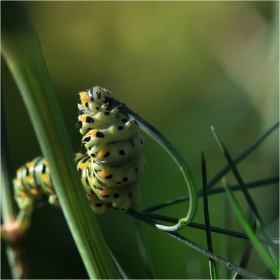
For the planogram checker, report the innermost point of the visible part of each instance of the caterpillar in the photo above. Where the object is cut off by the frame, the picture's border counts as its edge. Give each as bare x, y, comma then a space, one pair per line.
110, 170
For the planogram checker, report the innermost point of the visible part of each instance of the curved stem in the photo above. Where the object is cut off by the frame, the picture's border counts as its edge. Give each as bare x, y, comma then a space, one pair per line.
176, 156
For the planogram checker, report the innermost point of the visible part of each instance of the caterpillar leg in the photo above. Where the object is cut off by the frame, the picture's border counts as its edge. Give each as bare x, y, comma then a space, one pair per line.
53, 199
96, 204
132, 196
23, 199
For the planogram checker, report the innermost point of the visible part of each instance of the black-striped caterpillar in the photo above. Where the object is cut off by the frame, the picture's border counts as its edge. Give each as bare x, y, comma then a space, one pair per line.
112, 167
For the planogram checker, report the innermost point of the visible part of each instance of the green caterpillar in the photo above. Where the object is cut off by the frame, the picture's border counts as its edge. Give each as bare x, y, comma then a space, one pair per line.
112, 167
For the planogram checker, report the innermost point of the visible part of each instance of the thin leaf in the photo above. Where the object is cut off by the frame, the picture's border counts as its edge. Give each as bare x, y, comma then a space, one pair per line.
143, 250
250, 201
212, 264
258, 246
246, 254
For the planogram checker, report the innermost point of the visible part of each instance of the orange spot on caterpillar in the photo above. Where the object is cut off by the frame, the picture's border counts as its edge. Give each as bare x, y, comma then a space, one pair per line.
84, 99
89, 197
82, 93
103, 174
45, 177
34, 191
93, 132
45, 162
101, 154
28, 179
82, 165
84, 118
101, 192
23, 194
29, 164
79, 154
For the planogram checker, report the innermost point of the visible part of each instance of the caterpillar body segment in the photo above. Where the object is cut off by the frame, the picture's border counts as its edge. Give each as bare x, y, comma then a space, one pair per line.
33, 185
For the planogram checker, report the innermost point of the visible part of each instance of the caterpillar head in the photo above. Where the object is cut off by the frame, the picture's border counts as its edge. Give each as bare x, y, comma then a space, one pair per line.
91, 99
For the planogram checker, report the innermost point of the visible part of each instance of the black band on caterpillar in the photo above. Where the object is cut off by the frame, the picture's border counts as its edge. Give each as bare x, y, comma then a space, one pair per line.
114, 163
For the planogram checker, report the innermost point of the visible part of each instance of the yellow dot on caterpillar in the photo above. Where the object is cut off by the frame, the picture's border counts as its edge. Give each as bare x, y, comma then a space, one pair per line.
84, 99
29, 164
45, 177
79, 154
34, 191
28, 179
45, 162
82, 93
103, 174
24, 194
101, 192
84, 118
93, 132
82, 165
101, 154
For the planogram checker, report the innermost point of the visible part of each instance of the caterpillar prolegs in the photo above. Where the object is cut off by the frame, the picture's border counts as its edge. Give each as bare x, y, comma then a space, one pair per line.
112, 167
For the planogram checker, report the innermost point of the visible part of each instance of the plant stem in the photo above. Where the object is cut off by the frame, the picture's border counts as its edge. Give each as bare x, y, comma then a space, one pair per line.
22, 52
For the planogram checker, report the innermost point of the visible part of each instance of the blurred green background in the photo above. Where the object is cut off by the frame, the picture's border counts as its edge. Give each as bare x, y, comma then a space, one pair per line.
182, 66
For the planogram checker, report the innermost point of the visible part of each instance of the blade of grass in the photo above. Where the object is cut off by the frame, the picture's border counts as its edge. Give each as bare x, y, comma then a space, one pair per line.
247, 253
258, 246
22, 53
226, 248
8, 210
249, 199
243, 155
212, 264
143, 251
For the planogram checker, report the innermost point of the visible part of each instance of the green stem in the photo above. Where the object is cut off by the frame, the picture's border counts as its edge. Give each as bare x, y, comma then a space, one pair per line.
258, 246
12, 230
22, 52
249, 199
